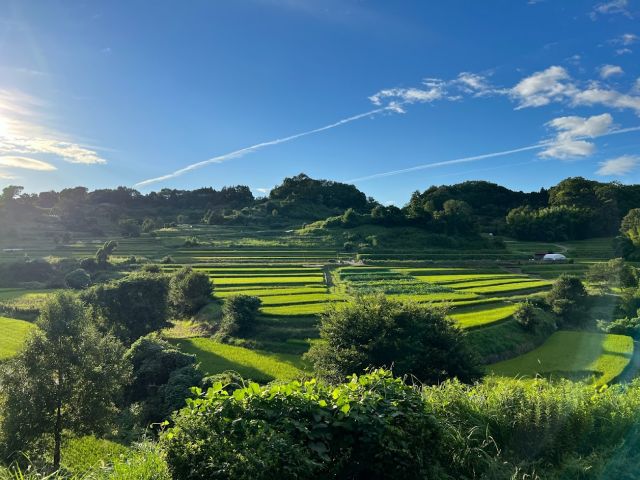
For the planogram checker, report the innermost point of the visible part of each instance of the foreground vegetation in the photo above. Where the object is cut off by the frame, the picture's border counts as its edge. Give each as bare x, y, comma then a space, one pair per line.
169, 291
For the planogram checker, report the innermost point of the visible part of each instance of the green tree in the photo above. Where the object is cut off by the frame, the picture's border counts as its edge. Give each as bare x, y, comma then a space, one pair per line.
78, 279
373, 331
104, 252
162, 377
69, 376
239, 315
131, 307
148, 225
129, 227
630, 226
189, 291
613, 273
567, 299
525, 315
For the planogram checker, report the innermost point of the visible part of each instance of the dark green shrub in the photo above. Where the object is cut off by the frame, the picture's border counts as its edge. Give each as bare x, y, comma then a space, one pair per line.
373, 427
239, 314
78, 279
189, 291
130, 307
525, 315
162, 377
373, 331
568, 300
622, 326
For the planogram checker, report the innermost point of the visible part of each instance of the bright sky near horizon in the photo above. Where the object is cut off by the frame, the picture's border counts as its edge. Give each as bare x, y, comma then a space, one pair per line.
393, 96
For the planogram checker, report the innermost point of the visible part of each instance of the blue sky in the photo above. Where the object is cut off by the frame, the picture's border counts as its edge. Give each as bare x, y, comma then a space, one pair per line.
395, 96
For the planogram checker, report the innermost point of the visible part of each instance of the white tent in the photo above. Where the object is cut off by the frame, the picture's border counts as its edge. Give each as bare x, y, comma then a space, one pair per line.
554, 257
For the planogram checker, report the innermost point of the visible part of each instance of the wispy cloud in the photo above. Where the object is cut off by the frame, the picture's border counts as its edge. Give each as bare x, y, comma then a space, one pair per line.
259, 146
607, 71
612, 7
25, 130
619, 166
26, 163
571, 131
455, 161
474, 158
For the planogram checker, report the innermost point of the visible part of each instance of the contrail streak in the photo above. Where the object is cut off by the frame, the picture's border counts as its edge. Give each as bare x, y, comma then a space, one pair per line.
475, 158
244, 151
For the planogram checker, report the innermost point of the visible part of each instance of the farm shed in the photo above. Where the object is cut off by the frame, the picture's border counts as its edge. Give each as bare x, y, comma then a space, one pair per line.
554, 257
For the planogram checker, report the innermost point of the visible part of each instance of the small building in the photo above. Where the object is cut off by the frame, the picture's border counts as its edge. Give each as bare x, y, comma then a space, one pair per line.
539, 255
554, 257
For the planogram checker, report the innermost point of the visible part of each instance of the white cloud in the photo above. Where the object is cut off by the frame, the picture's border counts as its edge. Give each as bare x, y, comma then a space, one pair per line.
24, 130
611, 7
396, 98
628, 38
263, 190
607, 71
26, 163
623, 51
619, 166
543, 87
473, 83
6, 176
609, 98
556, 85
569, 141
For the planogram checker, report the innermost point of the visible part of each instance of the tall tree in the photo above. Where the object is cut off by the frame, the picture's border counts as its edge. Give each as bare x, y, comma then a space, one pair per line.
68, 376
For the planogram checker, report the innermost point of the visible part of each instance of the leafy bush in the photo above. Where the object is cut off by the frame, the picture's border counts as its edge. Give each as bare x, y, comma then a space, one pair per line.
78, 279
567, 299
613, 273
525, 315
622, 326
373, 331
162, 377
129, 227
189, 291
131, 307
372, 427
239, 314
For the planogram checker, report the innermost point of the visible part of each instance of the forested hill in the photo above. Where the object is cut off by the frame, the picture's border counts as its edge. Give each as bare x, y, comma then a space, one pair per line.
575, 208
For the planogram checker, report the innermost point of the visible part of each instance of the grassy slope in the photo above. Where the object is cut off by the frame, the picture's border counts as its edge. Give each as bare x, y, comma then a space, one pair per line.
257, 365
573, 354
14, 333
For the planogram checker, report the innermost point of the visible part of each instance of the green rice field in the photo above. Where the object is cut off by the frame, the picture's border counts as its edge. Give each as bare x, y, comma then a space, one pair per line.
599, 358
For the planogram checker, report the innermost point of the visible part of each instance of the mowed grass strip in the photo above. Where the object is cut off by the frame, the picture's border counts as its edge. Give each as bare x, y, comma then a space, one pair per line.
302, 309
266, 292
512, 287
457, 278
434, 297
13, 334
256, 365
298, 299
268, 280
487, 283
597, 357
481, 316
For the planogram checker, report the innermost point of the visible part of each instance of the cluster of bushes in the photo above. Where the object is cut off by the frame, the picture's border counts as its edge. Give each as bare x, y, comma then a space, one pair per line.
377, 426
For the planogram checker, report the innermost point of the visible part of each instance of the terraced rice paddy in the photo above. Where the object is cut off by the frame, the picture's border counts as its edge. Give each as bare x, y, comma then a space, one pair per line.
596, 357
297, 277
12, 336
487, 314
